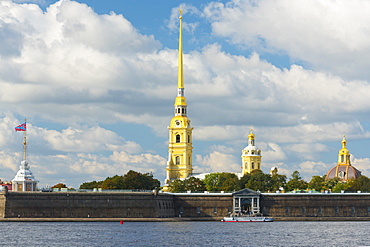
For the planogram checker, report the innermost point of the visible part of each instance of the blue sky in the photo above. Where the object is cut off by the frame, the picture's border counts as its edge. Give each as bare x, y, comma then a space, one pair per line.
97, 81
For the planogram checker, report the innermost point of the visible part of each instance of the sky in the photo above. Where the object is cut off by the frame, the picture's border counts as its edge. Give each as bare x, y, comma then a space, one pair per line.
97, 80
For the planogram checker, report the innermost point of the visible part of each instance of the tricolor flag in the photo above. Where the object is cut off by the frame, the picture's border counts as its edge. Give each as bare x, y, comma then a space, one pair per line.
21, 127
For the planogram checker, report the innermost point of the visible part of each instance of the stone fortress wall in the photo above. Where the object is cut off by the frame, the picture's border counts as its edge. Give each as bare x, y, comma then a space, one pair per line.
163, 205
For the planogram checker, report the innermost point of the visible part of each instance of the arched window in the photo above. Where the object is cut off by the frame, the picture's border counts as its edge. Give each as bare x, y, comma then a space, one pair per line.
252, 165
177, 138
177, 160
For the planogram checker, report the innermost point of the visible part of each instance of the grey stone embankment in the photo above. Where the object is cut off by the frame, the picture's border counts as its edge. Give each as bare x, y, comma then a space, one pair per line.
174, 219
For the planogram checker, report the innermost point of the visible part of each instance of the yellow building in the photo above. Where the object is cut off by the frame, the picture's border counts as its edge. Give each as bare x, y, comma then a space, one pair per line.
251, 156
343, 170
180, 148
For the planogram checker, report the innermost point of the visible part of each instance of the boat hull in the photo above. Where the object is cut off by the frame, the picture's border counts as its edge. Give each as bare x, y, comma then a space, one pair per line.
247, 219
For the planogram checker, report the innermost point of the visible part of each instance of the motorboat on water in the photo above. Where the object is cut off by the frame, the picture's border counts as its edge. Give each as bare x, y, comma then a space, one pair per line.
247, 219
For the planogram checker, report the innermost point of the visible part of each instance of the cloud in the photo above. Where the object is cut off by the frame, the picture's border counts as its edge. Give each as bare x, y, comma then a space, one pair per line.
327, 35
216, 162
77, 69
362, 164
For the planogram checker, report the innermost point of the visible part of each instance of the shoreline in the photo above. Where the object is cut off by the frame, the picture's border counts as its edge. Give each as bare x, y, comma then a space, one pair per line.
174, 219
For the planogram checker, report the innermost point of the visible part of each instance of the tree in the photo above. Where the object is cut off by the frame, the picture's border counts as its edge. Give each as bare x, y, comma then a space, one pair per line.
296, 182
259, 181
331, 183
59, 186
113, 183
194, 184
137, 180
221, 182
189, 184
278, 181
91, 185
317, 183
340, 186
177, 185
244, 180
360, 184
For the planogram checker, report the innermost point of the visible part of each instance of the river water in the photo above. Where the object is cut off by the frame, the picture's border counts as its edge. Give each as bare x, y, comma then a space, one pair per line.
185, 234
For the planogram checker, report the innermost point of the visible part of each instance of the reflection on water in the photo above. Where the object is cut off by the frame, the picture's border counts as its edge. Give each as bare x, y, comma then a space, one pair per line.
185, 234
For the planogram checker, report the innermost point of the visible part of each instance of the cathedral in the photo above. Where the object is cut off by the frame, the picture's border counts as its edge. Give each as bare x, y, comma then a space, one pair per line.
180, 148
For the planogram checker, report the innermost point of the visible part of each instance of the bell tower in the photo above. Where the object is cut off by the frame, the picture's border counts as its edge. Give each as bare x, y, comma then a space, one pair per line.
251, 156
180, 148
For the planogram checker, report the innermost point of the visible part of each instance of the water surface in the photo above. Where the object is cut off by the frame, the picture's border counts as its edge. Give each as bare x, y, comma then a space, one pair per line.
185, 234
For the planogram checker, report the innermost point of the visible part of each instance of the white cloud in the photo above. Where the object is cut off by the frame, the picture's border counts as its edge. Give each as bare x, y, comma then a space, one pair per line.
272, 152
330, 35
362, 164
70, 66
216, 162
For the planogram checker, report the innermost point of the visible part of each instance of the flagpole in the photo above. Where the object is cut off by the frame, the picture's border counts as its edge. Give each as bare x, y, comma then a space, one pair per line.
25, 143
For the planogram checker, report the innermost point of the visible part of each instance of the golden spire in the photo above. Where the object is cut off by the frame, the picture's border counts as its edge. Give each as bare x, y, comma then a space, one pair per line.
344, 142
180, 80
251, 135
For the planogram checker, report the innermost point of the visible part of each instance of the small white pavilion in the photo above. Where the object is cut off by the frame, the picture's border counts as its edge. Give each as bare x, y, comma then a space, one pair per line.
24, 179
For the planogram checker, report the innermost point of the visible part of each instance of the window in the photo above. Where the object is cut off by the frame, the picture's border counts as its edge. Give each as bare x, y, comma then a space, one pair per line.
319, 210
229, 210
236, 202
303, 210
188, 138
177, 138
215, 210
177, 160
198, 210
252, 165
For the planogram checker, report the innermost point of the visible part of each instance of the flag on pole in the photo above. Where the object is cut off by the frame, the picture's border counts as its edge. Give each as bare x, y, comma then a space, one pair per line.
21, 127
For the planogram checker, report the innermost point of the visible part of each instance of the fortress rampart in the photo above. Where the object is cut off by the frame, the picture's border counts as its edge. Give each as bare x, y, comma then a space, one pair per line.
163, 205
316, 205
86, 204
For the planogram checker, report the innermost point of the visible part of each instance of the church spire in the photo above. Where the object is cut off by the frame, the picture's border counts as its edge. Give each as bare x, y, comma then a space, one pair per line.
180, 101
180, 147
180, 74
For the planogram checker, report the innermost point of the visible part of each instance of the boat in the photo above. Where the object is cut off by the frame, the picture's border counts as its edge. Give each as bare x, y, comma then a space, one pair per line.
247, 219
